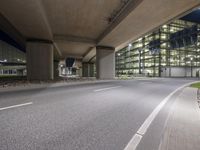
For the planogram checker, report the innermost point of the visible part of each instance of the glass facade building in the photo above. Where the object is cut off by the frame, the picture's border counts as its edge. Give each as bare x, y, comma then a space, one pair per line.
173, 50
12, 60
9, 53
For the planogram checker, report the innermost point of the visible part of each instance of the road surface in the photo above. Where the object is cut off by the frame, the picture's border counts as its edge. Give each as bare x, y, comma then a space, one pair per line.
100, 116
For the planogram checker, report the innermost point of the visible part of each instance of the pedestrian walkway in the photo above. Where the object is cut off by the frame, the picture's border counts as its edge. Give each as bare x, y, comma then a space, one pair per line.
51, 84
182, 130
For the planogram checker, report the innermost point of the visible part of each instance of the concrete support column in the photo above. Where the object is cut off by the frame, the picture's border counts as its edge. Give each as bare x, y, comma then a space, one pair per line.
39, 61
105, 62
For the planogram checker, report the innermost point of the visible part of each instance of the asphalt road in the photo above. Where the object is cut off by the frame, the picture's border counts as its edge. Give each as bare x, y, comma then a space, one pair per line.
101, 116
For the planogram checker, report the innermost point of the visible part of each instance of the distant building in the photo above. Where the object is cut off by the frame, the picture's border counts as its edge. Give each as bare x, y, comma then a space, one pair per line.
173, 50
12, 60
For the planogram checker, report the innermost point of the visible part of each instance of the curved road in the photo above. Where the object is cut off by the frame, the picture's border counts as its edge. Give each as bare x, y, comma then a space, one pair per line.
100, 116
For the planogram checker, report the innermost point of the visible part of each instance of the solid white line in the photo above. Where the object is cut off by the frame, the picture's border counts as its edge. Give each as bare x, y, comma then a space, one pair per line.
142, 130
109, 88
134, 142
14, 106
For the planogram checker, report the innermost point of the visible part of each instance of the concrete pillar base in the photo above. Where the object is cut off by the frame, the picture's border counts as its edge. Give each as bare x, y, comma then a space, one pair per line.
105, 62
39, 61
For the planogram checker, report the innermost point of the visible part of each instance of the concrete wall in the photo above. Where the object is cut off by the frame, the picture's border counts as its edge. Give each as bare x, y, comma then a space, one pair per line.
105, 62
179, 71
39, 61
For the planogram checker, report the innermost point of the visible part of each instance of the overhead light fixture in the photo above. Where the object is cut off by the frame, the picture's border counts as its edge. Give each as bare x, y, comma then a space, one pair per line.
164, 26
129, 45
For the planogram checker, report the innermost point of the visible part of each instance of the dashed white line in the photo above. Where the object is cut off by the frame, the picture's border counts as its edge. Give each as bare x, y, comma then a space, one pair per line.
14, 106
104, 89
134, 142
146, 79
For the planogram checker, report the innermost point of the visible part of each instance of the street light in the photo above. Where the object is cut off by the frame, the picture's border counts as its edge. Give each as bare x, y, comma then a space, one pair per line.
129, 58
118, 66
191, 59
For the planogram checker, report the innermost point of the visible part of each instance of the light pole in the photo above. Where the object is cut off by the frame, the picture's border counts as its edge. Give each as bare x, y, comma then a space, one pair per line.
118, 58
191, 60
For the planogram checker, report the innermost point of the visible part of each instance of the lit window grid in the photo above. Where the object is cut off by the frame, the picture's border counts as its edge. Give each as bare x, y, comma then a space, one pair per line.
166, 57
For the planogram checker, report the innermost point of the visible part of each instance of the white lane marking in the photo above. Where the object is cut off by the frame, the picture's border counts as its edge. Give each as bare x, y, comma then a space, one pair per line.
142, 130
134, 142
145, 82
14, 106
109, 88
146, 79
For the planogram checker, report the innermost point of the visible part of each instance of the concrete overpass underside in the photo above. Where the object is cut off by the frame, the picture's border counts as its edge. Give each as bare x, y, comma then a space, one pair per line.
75, 28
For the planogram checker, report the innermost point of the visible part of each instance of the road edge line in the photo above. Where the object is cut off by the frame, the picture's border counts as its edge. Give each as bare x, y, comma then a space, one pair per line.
137, 137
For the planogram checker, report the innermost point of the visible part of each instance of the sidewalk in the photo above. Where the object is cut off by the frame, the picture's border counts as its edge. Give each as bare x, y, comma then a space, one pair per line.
28, 86
182, 130
50, 84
